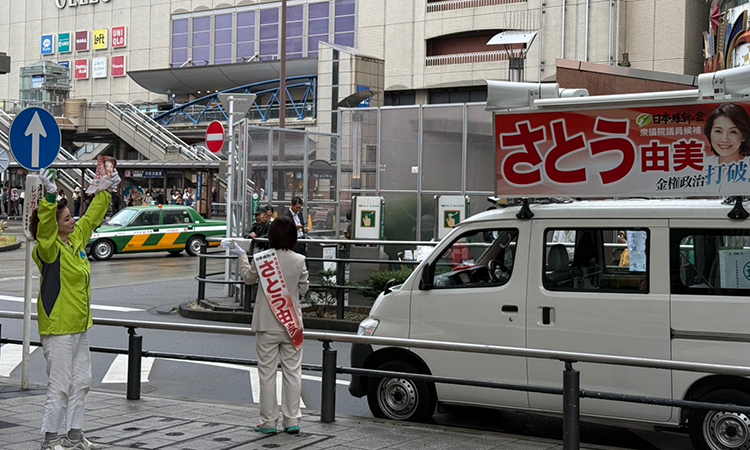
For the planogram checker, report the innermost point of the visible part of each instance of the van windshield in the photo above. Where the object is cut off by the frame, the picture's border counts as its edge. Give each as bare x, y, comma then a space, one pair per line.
122, 218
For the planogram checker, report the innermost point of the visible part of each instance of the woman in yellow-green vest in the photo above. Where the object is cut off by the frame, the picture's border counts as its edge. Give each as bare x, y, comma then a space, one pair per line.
64, 311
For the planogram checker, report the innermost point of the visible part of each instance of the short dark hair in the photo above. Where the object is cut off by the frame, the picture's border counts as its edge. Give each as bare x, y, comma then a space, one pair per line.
297, 201
282, 234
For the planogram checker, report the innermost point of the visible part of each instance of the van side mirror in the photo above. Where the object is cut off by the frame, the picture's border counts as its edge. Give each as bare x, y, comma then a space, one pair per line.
388, 285
426, 277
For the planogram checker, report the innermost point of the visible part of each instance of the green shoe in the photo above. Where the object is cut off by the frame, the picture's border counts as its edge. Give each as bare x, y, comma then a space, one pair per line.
294, 429
260, 429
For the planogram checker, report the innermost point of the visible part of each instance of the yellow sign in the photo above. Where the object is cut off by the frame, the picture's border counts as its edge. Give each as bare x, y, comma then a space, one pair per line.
100, 39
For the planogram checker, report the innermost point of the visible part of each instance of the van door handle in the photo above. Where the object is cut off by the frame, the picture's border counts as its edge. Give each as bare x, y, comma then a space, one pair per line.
548, 315
510, 309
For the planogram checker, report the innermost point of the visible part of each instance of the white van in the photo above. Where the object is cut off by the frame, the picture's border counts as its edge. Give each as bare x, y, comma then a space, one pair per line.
678, 288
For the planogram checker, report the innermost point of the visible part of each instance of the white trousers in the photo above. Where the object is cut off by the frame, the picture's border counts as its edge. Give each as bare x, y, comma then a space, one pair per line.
69, 379
272, 346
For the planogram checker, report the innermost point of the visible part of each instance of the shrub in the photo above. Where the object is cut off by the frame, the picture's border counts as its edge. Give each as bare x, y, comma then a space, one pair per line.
319, 300
3, 226
375, 283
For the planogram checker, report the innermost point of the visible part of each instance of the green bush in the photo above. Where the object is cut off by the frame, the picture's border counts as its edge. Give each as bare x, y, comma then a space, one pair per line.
375, 283
320, 300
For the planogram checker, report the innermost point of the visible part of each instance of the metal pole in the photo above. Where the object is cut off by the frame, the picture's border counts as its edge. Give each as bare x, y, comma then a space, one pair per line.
282, 72
571, 407
328, 390
230, 188
26, 314
202, 273
341, 281
135, 348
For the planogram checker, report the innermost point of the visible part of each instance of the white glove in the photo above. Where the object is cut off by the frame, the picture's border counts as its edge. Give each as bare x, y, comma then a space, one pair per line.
233, 247
45, 176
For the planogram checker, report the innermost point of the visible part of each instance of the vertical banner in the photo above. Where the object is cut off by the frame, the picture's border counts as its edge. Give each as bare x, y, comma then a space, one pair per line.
99, 67
673, 151
82, 41
100, 39
118, 66
450, 211
81, 69
368, 217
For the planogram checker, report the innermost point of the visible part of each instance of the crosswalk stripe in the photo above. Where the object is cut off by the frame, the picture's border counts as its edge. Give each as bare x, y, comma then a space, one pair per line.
118, 370
10, 298
10, 357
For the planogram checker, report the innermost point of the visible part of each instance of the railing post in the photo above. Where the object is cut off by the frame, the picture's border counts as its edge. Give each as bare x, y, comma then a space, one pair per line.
341, 281
202, 273
328, 390
571, 407
247, 302
135, 348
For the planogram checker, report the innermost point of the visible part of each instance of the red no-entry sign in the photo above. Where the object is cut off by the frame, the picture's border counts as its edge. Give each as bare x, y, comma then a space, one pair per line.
215, 136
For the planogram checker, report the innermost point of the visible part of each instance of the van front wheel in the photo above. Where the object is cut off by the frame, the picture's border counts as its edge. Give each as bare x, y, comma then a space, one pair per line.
721, 430
400, 398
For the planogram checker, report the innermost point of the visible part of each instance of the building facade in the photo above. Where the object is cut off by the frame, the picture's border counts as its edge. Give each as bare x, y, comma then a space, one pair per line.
434, 51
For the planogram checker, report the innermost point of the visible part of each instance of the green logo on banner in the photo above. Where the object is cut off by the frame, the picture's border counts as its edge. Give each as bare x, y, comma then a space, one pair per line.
63, 43
367, 219
451, 218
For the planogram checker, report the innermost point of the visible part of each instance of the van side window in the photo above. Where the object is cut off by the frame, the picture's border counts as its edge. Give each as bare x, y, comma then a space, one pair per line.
602, 259
480, 258
710, 262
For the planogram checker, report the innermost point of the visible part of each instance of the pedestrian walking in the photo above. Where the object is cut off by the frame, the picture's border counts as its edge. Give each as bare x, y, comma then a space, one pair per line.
277, 321
64, 311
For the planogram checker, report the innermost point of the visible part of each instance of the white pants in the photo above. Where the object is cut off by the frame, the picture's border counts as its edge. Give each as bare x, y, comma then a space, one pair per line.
69, 380
270, 346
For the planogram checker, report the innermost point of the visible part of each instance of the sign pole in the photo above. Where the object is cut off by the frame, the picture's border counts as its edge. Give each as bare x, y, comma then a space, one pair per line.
32, 195
230, 188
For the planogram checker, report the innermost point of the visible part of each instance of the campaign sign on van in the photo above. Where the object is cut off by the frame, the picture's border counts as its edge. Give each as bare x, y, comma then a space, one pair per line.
688, 150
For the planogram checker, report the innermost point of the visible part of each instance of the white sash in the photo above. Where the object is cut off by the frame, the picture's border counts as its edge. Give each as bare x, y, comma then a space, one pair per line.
279, 300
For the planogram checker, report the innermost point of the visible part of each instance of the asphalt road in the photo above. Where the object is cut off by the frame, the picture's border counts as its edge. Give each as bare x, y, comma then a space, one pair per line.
150, 286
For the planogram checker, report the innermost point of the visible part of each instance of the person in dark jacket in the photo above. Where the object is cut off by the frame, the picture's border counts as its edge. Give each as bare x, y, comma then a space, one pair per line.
260, 229
295, 213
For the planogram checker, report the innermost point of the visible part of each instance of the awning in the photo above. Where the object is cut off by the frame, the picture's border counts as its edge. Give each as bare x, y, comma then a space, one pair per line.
204, 79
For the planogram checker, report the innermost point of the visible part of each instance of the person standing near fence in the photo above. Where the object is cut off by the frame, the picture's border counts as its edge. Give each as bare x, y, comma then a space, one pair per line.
277, 321
295, 213
64, 311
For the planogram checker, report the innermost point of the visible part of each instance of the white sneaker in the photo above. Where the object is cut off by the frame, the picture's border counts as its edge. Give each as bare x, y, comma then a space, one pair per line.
58, 444
83, 444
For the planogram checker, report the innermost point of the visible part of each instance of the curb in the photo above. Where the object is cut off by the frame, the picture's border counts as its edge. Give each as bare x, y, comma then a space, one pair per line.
11, 247
312, 323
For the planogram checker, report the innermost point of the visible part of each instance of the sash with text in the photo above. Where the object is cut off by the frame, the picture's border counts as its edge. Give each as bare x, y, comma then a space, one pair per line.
279, 300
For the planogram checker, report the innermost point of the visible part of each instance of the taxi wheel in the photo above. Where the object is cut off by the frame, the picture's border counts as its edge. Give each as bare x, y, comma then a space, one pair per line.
102, 250
399, 398
194, 244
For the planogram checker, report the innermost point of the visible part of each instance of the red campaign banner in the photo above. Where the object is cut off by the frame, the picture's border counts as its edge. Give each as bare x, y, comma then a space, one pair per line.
118, 66
81, 69
673, 151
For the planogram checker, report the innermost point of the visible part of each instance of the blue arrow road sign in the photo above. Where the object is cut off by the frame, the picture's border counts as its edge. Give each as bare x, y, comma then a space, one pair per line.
35, 138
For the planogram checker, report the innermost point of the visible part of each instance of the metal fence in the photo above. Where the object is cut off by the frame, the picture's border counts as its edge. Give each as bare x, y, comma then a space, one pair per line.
570, 391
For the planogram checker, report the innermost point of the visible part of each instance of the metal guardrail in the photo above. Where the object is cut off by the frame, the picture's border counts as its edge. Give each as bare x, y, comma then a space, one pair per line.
571, 391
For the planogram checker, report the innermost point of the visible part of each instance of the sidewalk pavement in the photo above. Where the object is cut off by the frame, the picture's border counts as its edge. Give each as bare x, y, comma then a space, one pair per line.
185, 424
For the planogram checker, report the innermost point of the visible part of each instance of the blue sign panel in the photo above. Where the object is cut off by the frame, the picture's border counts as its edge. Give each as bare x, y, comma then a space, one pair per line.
48, 44
35, 139
65, 64
366, 102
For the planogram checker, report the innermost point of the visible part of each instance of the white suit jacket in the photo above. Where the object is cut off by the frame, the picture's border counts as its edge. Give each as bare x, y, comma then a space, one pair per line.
296, 277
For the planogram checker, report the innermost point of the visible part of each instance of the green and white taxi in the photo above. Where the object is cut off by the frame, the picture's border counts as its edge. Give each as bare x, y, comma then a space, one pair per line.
154, 229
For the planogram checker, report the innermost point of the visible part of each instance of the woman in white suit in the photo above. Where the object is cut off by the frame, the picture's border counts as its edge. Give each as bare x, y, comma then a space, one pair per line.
277, 321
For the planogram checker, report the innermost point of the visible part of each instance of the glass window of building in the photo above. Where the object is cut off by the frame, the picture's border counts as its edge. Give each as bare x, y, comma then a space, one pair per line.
318, 27
179, 42
201, 41
245, 35
294, 31
269, 34
344, 26
223, 39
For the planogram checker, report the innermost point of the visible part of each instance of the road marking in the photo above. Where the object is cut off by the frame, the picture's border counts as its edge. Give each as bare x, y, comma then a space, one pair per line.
10, 357
9, 298
118, 370
17, 278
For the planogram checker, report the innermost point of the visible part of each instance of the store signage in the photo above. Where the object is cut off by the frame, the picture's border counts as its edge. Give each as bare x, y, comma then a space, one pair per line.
675, 151
99, 67
65, 64
37, 81
118, 66
81, 69
48, 44
73, 3
118, 37
63, 43
100, 39
82, 41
